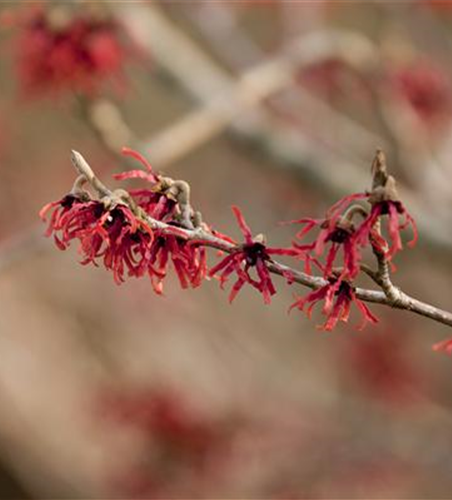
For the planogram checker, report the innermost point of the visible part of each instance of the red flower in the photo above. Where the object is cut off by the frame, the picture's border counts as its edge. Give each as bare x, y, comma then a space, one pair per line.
156, 202
252, 253
183, 446
122, 240
338, 296
393, 209
189, 261
426, 88
338, 233
115, 235
334, 79
165, 416
379, 363
71, 215
79, 53
338, 230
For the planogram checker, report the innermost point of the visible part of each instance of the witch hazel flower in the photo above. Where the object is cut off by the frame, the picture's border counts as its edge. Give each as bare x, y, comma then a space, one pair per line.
110, 232
385, 201
155, 201
253, 253
335, 232
189, 261
166, 201
58, 49
351, 226
337, 296
115, 230
70, 215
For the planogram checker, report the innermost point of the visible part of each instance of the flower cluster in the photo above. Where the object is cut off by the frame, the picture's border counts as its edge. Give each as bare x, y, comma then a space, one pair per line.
59, 51
340, 229
115, 230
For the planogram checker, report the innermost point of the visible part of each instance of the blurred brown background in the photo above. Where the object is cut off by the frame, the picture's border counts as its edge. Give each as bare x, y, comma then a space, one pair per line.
276, 107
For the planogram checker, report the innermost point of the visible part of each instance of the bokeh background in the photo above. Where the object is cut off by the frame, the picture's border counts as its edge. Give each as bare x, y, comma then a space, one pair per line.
277, 106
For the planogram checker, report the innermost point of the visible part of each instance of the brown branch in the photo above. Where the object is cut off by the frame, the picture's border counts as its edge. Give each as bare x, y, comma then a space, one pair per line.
398, 300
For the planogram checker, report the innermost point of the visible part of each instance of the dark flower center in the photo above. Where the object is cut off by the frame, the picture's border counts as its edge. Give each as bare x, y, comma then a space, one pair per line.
385, 206
253, 252
68, 201
345, 289
339, 235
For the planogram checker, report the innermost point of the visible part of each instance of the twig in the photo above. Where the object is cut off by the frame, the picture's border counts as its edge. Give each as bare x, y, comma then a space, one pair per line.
400, 301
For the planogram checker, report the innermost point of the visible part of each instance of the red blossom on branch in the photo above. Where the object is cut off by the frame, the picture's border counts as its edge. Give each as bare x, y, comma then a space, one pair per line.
71, 215
341, 229
118, 236
141, 232
337, 233
338, 296
115, 234
156, 201
189, 261
253, 253
393, 209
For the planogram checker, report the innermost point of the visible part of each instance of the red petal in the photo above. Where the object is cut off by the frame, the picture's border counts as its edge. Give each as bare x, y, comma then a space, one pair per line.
46, 208
235, 289
246, 231
444, 345
137, 156
393, 228
366, 313
335, 210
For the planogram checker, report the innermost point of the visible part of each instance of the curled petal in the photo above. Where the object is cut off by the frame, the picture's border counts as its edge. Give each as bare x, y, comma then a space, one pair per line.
137, 156
335, 211
246, 231
393, 228
367, 315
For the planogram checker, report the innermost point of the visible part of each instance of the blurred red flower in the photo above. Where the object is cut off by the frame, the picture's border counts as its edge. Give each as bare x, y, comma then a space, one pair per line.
79, 54
426, 87
184, 446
